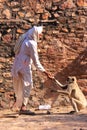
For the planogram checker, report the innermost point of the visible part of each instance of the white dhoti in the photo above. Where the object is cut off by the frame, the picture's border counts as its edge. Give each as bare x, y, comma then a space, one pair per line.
22, 88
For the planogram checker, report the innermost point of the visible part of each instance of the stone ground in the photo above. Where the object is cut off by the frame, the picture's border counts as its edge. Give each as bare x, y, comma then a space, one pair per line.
57, 119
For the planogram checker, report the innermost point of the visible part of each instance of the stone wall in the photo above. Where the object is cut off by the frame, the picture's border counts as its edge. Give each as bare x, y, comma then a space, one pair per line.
63, 49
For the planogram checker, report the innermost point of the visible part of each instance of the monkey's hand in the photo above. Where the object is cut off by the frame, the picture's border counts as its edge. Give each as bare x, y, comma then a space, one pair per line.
63, 92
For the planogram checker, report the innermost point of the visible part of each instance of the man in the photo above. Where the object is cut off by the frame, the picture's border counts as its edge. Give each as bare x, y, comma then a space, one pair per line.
25, 54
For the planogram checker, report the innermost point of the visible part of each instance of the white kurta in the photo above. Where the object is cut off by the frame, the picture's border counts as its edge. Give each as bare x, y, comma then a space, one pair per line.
21, 70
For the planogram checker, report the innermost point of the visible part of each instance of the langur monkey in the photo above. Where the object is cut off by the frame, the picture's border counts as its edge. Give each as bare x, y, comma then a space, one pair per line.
74, 93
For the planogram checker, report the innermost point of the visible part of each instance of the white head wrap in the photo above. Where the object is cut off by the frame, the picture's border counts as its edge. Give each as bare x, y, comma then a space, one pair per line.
31, 34
39, 29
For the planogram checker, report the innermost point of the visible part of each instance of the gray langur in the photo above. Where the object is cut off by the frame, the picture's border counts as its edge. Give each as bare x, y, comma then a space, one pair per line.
72, 90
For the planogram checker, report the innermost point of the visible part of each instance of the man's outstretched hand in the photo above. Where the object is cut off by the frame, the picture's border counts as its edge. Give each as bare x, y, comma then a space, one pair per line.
49, 75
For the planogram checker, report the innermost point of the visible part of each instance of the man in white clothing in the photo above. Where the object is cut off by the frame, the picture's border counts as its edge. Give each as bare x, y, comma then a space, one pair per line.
25, 54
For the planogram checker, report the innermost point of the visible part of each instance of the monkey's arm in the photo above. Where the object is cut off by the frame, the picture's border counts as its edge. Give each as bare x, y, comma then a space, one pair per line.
70, 96
63, 92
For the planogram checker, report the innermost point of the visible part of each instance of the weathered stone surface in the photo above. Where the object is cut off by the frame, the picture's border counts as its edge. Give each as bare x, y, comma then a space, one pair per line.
20, 31
67, 4
82, 3
2, 1
45, 16
6, 38
7, 13
62, 50
1, 6
21, 14
15, 4
39, 8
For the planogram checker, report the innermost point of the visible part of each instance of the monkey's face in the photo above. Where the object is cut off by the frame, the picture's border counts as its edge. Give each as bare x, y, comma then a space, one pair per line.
71, 79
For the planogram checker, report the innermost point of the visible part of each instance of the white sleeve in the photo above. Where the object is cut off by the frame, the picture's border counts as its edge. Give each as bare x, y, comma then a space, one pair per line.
35, 57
